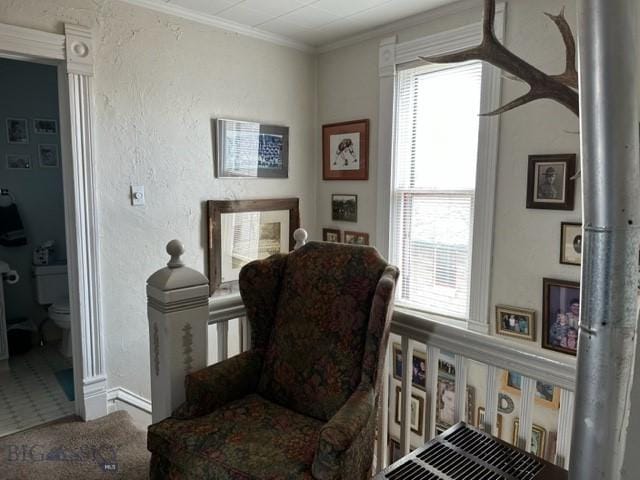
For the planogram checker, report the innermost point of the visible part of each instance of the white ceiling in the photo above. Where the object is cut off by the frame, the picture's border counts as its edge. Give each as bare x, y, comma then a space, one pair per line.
310, 22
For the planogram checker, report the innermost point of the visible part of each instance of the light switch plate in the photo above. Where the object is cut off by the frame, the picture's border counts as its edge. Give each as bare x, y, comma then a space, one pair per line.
137, 195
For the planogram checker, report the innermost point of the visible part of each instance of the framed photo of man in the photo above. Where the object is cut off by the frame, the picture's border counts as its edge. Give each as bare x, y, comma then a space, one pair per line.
549, 181
561, 315
571, 243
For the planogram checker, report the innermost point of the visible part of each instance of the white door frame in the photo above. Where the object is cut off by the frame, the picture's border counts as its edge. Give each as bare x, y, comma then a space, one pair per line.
73, 55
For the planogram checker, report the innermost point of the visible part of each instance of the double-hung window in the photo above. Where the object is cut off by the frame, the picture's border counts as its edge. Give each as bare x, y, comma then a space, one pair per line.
434, 185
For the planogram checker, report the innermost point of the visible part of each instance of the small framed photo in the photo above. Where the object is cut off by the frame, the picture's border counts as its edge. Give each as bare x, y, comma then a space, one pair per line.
571, 243
43, 126
48, 156
538, 437
394, 451
549, 184
560, 315
250, 149
356, 238
416, 414
331, 235
345, 151
18, 161
419, 370
516, 322
481, 421
344, 208
17, 131
547, 395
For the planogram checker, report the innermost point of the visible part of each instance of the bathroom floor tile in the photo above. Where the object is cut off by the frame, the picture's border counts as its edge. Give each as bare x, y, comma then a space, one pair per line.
29, 391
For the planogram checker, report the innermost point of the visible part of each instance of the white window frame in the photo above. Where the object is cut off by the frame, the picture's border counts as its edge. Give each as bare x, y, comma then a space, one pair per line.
392, 55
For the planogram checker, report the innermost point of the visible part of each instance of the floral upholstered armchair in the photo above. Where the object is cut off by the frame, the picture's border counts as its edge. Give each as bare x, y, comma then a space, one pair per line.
302, 403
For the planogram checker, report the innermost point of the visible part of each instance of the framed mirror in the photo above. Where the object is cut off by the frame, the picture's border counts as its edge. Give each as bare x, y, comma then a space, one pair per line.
244, 230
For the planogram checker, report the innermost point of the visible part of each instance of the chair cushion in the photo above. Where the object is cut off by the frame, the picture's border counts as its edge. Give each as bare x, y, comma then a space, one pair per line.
250, 438
314, 357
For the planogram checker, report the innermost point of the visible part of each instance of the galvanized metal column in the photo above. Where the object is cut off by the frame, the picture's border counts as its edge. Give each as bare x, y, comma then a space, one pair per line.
611, 202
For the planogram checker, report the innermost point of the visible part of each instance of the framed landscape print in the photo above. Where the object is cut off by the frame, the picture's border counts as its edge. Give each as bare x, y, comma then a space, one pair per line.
560, 315
345, 151
547, 395
356, 238
331, 235
571, 243
250, 149
549, 184
418, 371
241, 231
516, 322
538, 437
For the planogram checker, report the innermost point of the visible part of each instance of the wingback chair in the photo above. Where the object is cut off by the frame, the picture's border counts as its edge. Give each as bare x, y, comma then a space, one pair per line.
302, 403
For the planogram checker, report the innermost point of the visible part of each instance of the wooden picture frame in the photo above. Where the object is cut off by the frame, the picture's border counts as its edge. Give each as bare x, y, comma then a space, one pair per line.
331, 235
549, 183
560, 315
481, 418
344, 207
538, 438
246, 149
516, 322
281, 211
356, 238
416, 426
345, 150
419, 370
571, 243
547, 395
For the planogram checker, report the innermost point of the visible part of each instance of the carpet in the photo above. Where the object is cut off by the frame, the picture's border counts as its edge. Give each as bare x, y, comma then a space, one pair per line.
107, 448
65, 379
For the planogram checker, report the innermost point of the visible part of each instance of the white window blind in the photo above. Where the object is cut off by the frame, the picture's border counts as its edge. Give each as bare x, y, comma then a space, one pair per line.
435, 159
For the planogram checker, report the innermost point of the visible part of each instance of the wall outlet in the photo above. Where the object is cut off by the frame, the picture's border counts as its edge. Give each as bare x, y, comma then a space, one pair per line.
137, 195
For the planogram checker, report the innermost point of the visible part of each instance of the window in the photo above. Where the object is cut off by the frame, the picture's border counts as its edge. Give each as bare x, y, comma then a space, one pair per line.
433, 189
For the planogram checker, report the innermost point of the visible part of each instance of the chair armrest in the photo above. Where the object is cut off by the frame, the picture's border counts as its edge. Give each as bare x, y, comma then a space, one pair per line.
219, 384
340, 433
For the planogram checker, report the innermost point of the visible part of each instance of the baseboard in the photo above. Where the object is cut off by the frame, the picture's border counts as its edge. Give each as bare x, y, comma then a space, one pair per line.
138, 407
94, 398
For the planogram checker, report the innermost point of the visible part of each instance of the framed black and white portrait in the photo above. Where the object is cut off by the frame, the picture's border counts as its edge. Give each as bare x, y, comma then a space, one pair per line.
549, 181
48, 156
345, 151
571, 243
17, 131
45, 126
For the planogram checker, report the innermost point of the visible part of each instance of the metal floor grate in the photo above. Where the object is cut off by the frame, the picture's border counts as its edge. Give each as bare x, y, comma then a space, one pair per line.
466, 453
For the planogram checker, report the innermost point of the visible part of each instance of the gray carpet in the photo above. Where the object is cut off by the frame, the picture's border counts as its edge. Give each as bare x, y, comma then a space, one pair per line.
110, 447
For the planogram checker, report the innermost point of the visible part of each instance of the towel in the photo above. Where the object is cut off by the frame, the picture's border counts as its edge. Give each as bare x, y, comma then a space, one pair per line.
11, 229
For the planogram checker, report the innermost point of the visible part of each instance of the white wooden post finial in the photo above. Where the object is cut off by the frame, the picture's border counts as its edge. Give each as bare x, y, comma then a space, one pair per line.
300, 236
175, 248
178, 311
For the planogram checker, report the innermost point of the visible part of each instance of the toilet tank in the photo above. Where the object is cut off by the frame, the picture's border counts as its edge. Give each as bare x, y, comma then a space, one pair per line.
51, 283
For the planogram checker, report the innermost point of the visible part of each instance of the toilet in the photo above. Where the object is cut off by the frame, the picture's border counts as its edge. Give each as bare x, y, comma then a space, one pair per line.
52, 288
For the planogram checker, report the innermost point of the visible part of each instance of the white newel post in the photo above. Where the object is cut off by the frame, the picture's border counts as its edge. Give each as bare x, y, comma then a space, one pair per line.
178, 311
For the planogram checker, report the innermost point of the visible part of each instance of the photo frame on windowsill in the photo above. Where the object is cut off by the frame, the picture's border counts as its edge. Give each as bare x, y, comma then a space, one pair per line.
240, 231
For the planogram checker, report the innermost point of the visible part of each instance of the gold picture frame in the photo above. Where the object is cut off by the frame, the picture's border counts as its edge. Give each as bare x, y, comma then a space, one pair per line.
516, 322
480, 421
547, 395
538, 438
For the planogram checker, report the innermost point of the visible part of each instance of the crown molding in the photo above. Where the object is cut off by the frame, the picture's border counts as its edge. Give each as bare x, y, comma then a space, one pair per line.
399, 25
222, 24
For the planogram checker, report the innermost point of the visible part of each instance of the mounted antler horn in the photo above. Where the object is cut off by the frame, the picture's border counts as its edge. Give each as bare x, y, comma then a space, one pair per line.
555, 87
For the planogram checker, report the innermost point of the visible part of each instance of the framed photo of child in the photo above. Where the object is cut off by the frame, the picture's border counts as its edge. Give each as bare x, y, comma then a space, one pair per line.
561, 315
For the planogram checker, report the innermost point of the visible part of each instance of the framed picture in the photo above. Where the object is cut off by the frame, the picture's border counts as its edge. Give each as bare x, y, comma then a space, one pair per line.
538, 437
446, 401
44, 126
571, 243
516, 322
244, 230
481, 421
345, 151
356, 238
549, 184
416, 414
560, 315
17, 131
18, 161
344, 208
48, 156
547, 395
331, 235
250, 149
394, 451
419, 370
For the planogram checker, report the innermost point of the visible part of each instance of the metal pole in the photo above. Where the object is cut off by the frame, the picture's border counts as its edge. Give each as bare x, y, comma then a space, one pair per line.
611, 203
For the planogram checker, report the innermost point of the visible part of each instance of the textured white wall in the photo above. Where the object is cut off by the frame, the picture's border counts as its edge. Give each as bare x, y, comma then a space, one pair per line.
159, 81
526, 242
